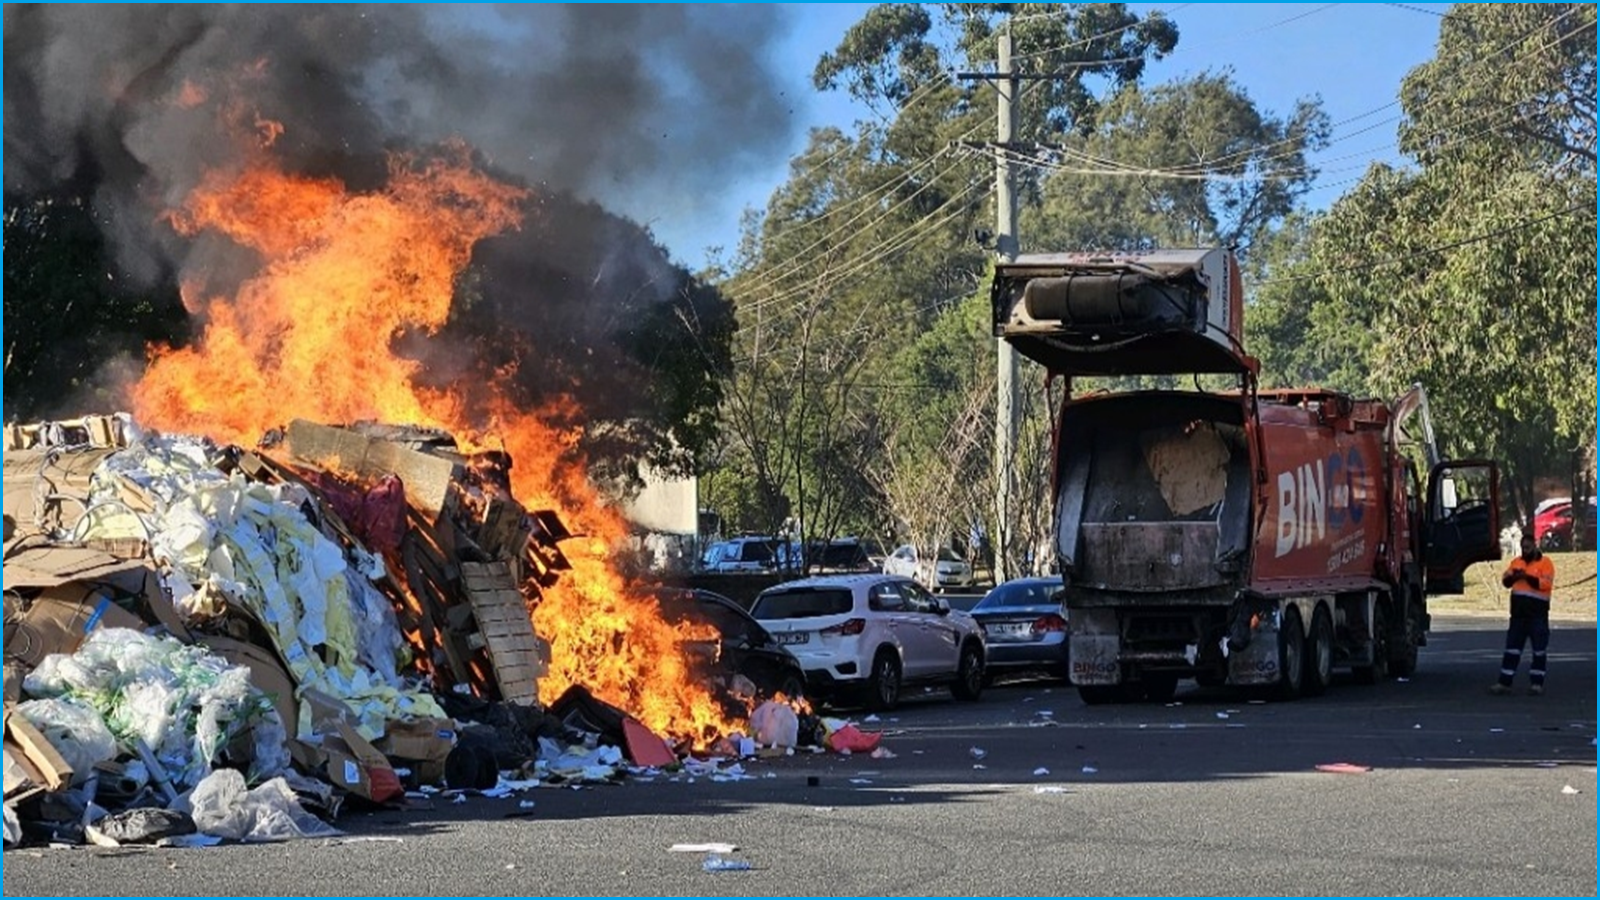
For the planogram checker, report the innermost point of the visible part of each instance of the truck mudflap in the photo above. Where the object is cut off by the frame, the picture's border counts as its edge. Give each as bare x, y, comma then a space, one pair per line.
1096, 647
1255, 661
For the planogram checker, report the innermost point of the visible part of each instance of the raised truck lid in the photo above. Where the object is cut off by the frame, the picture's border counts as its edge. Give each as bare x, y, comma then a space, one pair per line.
1160, 312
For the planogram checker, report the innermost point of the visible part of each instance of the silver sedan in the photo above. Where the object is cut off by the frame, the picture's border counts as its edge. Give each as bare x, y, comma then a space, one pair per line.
1025, 627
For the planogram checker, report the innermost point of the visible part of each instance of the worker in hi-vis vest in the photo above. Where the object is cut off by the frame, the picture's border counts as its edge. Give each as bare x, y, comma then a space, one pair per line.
1530, 577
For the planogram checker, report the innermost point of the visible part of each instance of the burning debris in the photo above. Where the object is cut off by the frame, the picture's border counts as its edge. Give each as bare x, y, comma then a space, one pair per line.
347, 608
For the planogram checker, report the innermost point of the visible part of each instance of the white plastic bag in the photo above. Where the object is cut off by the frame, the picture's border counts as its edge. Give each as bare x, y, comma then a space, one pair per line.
13, 828
75, 729
775, 725
222, 808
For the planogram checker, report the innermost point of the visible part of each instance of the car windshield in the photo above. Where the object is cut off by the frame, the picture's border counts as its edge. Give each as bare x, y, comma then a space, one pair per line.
841, 555
802, 603
1020, 593
948, 555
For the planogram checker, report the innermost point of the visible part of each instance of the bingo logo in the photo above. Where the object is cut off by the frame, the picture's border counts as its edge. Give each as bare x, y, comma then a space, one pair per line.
1320, 498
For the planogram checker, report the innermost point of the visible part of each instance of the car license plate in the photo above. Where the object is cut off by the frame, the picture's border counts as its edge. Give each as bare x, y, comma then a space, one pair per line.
1008, 629
793, 637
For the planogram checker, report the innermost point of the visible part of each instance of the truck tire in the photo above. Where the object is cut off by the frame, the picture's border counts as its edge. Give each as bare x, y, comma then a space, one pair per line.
883, 688
1379, 670
1403, 659
1319, 653
1291, 655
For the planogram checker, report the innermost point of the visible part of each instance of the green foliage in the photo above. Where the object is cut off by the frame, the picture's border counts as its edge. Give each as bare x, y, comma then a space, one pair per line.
1474, 272
70, 314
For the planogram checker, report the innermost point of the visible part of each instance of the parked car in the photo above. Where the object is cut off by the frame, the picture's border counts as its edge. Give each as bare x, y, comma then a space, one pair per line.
843, 556
870, 635
741, 554
1025, 627
1554, 527
944, 570
745, 647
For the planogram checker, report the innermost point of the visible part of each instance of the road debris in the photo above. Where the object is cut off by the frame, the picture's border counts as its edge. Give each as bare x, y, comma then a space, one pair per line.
704, 848
1343, 768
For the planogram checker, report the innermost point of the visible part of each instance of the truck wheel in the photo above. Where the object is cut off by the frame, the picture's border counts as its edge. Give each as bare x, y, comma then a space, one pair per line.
1379, 670
970, 677
1291, 655
883, 689
1319, 653
1403, 662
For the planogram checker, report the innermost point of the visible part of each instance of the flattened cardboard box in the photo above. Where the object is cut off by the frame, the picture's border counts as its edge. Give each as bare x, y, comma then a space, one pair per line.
60, 619
330, 745
26, 745
425, 742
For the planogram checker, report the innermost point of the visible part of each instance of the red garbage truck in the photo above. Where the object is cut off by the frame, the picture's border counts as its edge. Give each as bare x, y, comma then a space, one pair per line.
1235, 536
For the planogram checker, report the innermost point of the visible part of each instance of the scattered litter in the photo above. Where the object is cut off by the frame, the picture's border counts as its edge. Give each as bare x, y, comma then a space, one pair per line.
718, 864
510, 866
1417, 727
1222, 715
1545, 765
850, 739
1045, 713
1497, 731
13, 827
861, 781
527, 804
224, 808
144, 826
1569, 789
459, 800
977, 753
1090, 770
1403, 680
703, 848
871, 719
1343, 768
1050, 789
1041, 772
1174, 704
883, 753
979, 767
340, 842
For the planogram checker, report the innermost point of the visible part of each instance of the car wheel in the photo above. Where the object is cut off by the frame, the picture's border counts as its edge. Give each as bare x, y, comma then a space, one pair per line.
883, 689
793, 687
1319, 653
969, 675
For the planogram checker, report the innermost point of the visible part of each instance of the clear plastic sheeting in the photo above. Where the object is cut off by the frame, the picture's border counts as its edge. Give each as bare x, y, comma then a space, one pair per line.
230, 540
184, 703
75, 729
222, 807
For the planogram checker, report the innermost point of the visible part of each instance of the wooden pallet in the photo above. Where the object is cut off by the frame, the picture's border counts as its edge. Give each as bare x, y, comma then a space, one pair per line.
505, 630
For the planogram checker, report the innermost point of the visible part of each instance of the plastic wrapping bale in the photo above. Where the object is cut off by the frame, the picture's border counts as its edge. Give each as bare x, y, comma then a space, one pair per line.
75, 729
185, 703
775, 725
222, 807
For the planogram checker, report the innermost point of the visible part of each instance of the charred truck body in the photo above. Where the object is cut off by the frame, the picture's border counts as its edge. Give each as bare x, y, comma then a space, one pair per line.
1242, 537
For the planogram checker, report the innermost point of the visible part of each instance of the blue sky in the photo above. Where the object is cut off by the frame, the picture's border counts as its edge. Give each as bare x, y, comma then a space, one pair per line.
1351, 55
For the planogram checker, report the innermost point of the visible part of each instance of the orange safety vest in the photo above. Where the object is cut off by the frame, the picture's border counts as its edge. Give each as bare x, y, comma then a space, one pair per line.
1542, 569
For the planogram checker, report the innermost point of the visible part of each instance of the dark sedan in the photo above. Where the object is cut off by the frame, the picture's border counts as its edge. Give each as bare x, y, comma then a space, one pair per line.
745, 648
1025, 627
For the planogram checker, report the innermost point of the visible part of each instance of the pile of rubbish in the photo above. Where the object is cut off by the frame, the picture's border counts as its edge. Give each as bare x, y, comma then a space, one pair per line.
209, 643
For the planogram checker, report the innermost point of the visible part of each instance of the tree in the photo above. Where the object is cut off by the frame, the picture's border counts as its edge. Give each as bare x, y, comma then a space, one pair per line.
1473, 272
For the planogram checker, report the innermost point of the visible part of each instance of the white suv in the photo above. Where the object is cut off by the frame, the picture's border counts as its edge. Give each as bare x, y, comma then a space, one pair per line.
871, 634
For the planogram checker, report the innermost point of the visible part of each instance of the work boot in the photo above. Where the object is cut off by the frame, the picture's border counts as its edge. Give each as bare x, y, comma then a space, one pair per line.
1499, 689
1536, 690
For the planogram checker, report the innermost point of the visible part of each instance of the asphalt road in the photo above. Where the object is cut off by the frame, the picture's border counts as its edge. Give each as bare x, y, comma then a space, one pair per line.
1467, 794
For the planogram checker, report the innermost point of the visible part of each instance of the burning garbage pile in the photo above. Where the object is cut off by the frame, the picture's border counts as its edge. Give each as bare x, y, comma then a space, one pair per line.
204, 641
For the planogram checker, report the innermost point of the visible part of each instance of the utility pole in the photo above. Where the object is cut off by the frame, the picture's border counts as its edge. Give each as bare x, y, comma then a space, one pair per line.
1005, 419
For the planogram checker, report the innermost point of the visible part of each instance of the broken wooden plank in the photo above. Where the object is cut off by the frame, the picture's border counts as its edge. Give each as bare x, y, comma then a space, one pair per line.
429, 479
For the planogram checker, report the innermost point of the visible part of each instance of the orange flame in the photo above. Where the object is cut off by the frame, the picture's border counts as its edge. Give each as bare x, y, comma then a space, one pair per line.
307, 336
